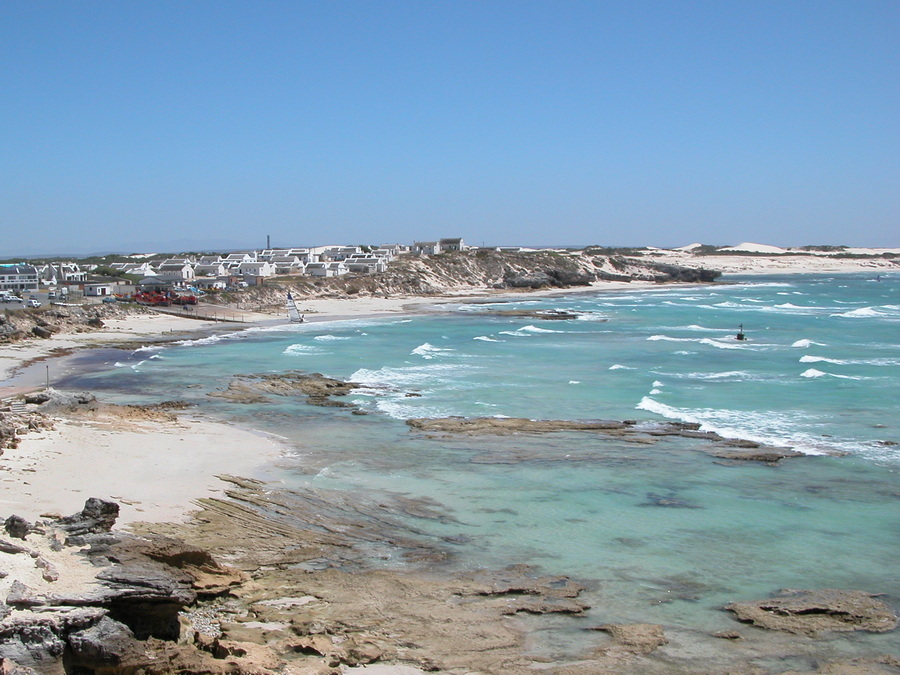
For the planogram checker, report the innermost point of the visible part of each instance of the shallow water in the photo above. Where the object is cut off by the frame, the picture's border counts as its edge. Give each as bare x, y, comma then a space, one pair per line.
818, 373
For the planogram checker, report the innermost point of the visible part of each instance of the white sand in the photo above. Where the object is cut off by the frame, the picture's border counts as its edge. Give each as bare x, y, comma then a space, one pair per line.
154, 471
780, 264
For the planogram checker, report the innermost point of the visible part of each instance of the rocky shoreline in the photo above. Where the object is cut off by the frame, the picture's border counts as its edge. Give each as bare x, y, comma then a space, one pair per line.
299, 596
270, 580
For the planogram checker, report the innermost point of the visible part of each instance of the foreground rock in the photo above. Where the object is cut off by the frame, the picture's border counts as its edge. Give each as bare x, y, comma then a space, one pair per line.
813, 612
77, 597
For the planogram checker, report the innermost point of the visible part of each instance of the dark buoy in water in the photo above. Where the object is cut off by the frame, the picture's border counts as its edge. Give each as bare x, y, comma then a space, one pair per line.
740, 335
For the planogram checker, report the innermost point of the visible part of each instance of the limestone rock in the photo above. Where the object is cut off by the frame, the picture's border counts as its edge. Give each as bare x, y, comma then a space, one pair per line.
810, 612
509, 425
41, 332
639, 638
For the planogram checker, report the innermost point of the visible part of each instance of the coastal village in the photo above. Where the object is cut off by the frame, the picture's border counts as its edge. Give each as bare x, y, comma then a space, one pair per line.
160, 279
229, 271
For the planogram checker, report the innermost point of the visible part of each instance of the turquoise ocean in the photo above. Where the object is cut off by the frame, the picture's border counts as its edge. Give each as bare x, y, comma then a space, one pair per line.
664, 533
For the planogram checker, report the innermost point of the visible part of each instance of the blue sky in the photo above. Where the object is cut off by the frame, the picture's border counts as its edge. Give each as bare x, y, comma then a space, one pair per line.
166, 125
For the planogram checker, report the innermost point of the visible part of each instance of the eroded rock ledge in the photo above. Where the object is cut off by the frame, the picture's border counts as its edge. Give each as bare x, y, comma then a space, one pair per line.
317, 388
631, 430
812, 612
81, 598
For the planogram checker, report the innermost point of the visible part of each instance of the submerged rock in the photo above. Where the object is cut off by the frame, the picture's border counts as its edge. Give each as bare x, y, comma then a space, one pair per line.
639, 638
810, 612
317, 388
509, 425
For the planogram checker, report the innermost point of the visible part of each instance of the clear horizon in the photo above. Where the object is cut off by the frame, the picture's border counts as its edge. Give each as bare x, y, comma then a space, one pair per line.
142, 125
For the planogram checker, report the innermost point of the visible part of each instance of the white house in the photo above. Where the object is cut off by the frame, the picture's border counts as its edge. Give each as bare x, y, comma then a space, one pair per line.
232, 260
143, 269
177, 270
256, 268
288, 264
452, 244
326, 269
427, 247
212, 269
337, 253
211, 283
99, 290
365, 264
18, 278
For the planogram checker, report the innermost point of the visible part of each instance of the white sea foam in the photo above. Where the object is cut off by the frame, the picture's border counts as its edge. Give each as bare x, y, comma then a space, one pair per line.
861, 313
149, 348
807, 358
429, 351
526, 331
537, 329
770, 428
657, 383
331, 338
814, 373
718, 344
447, 375
209, 340
301, 350
669, 338
485, 338
804, 343
574, 381
619, 366
654, 392
725, 375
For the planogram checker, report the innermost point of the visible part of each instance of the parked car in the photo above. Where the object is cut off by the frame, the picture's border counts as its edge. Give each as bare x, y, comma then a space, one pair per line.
31, 302
108, 298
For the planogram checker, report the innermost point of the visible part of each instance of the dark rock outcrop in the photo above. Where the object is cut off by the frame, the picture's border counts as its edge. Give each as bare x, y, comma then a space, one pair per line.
16, 527
97, 516
142, 584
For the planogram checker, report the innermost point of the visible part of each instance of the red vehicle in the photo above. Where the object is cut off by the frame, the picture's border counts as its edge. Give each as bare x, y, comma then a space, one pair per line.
153, 299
